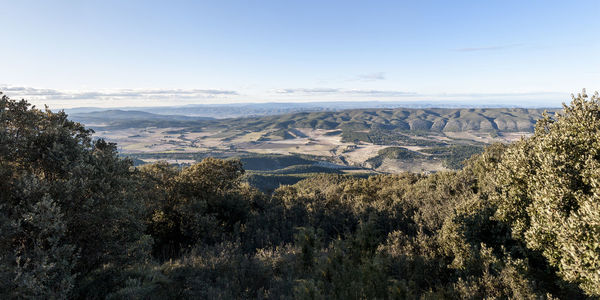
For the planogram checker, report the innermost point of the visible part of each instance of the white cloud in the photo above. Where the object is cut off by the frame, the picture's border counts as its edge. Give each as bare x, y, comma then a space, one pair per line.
307, 90
58, 99
371, 76
320, 91
130, 94
385, 93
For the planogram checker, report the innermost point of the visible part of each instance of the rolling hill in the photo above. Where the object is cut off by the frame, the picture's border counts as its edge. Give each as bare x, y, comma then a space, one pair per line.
278, 149
406, 119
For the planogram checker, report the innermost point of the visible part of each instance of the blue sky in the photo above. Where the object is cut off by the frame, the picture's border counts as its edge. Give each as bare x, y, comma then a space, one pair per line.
141, 53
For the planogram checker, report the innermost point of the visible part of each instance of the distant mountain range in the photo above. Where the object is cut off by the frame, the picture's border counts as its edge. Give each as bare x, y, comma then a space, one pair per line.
411, 119
221, 111
115, 115
426, 119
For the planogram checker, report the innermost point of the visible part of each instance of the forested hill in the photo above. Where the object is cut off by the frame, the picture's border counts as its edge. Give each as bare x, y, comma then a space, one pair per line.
431, 119
238, 110
435, 119
113, 115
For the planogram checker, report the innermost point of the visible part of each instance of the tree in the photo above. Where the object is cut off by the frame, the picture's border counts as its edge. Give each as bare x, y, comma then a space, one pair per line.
68, 205
198, 204
549, 191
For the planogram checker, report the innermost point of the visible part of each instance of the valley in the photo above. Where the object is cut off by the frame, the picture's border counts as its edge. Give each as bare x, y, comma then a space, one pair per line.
358, 142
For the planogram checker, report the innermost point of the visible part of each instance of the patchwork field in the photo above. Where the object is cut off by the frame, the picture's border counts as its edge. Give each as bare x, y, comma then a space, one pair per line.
286, 148
358, 141
326, 144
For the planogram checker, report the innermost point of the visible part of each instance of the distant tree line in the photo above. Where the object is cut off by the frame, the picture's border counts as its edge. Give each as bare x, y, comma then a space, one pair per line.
518, 221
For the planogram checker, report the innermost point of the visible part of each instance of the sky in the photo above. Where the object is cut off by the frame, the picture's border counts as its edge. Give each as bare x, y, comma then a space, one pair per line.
149, 53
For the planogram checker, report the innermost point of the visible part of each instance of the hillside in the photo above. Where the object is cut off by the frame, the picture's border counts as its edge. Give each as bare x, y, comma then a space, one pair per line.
350, 138
431, 119
116, 115
243, 110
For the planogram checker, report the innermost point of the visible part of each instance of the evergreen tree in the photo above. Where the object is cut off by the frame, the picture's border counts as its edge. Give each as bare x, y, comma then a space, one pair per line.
69, 206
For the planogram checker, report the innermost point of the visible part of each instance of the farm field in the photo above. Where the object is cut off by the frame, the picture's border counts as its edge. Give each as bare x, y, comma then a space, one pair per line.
357, 141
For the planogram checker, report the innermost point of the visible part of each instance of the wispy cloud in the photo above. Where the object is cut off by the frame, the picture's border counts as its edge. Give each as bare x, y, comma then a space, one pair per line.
370, 77
307, 90
56, 98
487, 48
320, 91
130, 94
382, 93
393, 95
18, 90
498, 95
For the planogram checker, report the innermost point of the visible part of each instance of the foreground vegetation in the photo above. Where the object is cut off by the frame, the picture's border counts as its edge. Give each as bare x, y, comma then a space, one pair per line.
518, 221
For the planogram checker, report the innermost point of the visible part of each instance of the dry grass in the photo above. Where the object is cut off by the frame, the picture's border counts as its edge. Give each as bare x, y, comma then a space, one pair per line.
307, 141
